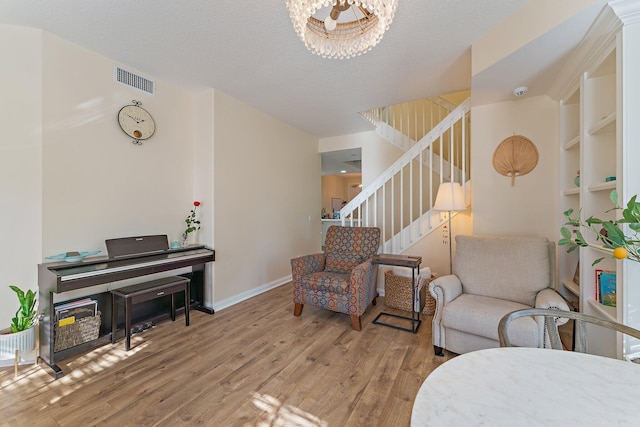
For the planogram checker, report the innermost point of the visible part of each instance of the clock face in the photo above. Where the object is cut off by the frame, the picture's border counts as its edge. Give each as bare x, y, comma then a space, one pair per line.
136, 122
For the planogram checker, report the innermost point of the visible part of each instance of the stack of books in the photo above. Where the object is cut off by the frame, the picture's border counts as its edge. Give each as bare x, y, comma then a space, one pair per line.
70, 312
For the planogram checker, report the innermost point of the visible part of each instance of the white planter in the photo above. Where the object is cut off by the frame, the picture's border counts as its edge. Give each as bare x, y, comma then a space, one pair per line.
23, 341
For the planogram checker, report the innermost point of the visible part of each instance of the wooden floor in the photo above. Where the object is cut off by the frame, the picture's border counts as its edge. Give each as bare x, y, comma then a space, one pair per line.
253, 364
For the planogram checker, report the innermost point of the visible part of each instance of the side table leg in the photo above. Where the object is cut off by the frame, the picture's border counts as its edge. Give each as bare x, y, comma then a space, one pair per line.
173, 307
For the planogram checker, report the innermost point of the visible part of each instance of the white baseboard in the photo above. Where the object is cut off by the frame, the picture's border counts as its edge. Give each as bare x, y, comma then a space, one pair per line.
220, 305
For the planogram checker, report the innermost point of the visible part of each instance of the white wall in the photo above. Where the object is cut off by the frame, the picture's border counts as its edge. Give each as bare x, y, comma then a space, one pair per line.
377, 153
203, 176
71, 178
267, 207
531, 206
535, 18
97, 184
20, 164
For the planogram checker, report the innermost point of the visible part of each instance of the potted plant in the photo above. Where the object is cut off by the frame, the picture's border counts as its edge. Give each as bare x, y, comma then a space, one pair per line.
20, 335
608, 233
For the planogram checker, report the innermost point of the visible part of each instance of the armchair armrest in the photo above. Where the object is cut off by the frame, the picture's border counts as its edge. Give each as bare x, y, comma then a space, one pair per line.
307, 264
362, 285
444, 290
549, 298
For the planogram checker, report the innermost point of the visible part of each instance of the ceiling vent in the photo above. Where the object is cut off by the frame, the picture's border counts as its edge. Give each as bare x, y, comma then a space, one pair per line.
127, 78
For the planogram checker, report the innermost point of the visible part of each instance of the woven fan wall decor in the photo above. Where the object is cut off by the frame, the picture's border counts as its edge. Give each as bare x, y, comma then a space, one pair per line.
515, 156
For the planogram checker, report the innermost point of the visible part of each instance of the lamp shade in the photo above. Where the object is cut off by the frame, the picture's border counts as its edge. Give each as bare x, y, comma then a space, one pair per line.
450, 197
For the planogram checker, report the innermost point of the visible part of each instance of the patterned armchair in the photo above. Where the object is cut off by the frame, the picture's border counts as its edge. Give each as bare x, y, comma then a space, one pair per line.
342, 279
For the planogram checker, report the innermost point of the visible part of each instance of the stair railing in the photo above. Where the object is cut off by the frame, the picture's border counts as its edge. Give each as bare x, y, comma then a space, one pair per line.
404, 124
400, 201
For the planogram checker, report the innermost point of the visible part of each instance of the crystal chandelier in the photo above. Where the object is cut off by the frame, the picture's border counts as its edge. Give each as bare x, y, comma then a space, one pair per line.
361, 27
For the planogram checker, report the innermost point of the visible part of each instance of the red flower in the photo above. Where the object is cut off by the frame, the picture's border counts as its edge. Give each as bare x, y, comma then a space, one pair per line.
196, 203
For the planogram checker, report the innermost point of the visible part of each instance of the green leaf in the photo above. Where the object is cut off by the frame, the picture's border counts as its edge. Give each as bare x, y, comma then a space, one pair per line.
613, 196
593, 220
596, 261
565, 233
614, 234
568, 212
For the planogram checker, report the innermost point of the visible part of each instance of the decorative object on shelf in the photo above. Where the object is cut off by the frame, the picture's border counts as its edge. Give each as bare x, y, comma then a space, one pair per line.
576, 180
73, 256
193, 224
136, 122
20, 337
610, 178
613, 238
515, 156
331, 38
450, 198
606, 287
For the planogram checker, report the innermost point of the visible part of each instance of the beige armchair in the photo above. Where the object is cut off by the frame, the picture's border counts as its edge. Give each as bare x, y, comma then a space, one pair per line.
494, 276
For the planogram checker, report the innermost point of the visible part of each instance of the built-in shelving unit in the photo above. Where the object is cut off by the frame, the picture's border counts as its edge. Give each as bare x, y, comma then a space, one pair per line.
598, 136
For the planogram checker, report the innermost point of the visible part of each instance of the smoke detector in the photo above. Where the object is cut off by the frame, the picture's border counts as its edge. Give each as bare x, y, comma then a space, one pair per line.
520, 91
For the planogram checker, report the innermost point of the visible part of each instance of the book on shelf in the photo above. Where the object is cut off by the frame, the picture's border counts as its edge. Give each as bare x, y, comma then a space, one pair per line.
69, 313
597, 281
606, 284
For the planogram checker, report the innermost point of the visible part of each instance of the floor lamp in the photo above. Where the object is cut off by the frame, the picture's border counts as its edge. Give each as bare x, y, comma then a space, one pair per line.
450, 198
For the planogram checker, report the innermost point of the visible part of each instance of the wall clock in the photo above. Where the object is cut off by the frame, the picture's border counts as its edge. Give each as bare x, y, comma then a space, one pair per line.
136, 122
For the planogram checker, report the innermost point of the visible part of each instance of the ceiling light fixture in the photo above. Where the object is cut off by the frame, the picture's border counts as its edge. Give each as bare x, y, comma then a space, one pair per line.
344, 39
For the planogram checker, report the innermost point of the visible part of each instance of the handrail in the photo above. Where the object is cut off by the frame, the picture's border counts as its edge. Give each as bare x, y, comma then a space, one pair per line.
405, 212
404, 124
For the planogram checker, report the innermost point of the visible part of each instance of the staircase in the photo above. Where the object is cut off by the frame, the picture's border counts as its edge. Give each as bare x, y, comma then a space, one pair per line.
405, 124
400, 201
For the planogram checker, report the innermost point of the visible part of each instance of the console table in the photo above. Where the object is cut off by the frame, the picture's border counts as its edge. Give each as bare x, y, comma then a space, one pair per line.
412, 262
513, 386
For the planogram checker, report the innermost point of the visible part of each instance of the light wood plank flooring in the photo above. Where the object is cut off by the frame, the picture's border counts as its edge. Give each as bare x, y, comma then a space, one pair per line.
253, 364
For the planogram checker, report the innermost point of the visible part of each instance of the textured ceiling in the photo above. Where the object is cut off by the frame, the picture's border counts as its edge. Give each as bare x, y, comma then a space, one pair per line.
249, 50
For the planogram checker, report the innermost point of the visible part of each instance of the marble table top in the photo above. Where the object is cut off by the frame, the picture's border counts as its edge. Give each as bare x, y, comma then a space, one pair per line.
529, 387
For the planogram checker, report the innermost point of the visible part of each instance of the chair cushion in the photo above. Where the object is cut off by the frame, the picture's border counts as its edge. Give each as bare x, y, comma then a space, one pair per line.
326, 282
342, 262
480, 315
510, 268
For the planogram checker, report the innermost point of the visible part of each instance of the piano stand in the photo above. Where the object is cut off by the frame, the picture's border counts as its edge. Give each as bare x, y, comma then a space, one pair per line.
146, 291
128, 258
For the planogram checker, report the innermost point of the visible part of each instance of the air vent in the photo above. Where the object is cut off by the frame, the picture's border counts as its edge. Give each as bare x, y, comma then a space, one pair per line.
127, 78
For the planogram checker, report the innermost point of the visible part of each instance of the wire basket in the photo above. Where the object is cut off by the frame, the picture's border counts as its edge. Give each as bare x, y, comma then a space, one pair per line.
81, 331
397, 293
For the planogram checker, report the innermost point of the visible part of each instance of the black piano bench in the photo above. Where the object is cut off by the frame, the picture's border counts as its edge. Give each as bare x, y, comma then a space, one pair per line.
141, 292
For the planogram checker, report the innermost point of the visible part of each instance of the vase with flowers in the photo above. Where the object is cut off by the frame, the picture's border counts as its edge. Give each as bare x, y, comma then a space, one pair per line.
193, 225
608, 233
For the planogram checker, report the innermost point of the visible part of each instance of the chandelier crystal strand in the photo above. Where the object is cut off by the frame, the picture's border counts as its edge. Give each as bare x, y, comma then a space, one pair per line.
348, 39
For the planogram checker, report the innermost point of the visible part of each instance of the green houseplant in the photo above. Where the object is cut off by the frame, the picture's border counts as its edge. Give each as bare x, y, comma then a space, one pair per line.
26, 315
608, 233
20, 336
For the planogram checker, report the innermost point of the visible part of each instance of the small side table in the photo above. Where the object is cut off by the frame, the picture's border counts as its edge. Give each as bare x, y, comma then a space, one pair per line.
412, 262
